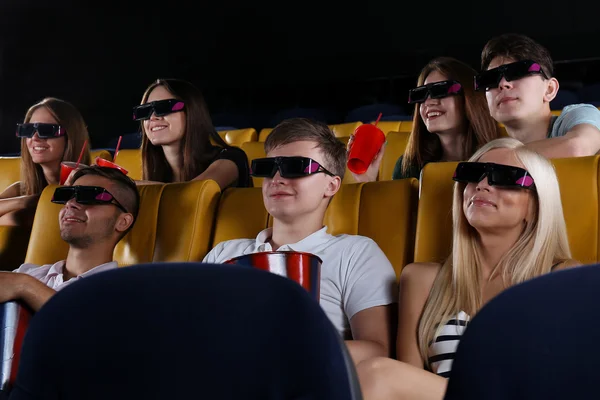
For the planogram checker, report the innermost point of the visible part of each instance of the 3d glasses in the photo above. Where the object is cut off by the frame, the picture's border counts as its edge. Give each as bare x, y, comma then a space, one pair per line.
86, 195
490, 79
436, 90
159, 108
44, 131
288, 167
497, 174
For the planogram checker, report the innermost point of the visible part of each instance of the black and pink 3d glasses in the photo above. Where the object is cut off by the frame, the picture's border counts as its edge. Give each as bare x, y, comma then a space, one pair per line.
436, 90
498, 175
288, 167
44, 131
159, 108
491, 78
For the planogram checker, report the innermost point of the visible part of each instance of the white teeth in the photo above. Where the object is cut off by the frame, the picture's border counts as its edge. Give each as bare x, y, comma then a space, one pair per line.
40, 148
434, 114
158, 128
73, 220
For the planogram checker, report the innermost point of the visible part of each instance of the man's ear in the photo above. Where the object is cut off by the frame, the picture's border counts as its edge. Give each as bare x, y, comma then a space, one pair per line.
551, 89
124, 221
333, 186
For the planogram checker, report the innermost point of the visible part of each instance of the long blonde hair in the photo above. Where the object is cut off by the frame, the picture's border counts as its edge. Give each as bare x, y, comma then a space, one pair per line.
543, 242
33, 180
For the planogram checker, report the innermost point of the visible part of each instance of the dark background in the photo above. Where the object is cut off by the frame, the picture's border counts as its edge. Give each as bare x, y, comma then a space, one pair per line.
253, 59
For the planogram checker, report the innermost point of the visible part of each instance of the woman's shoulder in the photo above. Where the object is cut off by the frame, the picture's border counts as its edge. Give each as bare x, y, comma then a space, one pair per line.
421, 274
13, 190
565, 264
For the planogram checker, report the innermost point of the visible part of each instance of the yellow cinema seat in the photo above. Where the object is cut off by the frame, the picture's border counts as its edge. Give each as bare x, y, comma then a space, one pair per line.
105, 154
433, 239
185, 221
13, 246
264, 132
138, 245
344, 130
46, 245
578, 179
394, 149
10, 171
241, 214
406, 126
253, 151
131, 160
388, 126
239, 136
382, 211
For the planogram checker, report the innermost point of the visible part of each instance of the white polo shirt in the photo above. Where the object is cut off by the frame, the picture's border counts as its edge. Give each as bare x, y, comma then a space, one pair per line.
52, 274
355, 274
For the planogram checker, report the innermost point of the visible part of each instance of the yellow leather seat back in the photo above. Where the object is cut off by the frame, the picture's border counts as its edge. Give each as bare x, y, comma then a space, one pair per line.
10, 171
388, 214
396, 145
253, 151
339, 130
105, 154
406, 126
45, 244
241, 214
131, 160
388, 126
138, 245
433, 239
13, 246
185, 221
577, 177
344, 130
382, 211
239, 136
264, 132
579, 191
348, 177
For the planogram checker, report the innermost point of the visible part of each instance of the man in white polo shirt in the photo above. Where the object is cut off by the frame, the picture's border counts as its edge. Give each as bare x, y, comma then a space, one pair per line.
304, 168
99, 209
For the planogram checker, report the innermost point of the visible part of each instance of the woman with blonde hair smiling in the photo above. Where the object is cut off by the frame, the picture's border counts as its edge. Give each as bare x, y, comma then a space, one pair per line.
53, 131
508, 227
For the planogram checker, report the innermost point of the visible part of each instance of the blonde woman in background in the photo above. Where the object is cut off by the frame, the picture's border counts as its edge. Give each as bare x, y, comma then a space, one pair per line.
53, 131
508, 227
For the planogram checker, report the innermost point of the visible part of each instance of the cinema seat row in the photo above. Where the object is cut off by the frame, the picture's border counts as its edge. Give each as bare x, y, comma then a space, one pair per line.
409, 220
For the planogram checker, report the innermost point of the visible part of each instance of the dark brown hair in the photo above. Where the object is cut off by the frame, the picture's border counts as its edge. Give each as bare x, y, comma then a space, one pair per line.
127, 193
302, 129
424, 146
517, 47
198, 151
33, 180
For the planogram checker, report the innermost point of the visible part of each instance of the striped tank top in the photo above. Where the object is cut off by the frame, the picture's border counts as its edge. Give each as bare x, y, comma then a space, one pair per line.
442, 350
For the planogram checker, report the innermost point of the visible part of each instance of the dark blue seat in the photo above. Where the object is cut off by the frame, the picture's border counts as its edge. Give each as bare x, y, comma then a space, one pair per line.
564, 98
590, 94
535, 341
129, 141
368, 113
180, 331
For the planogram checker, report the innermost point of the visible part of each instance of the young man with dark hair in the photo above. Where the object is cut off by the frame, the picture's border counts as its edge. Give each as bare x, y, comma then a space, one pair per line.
303, 170
517, 75
99, 209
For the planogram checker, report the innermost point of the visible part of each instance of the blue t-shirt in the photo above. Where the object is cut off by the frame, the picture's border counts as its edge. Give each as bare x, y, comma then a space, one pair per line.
572, 116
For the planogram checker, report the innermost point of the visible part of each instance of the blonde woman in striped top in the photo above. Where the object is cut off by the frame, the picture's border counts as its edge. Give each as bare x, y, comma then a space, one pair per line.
508, 227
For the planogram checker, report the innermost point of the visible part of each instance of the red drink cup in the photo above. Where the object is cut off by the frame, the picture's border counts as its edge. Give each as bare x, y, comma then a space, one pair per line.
66, 167
368, 140
105, 163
